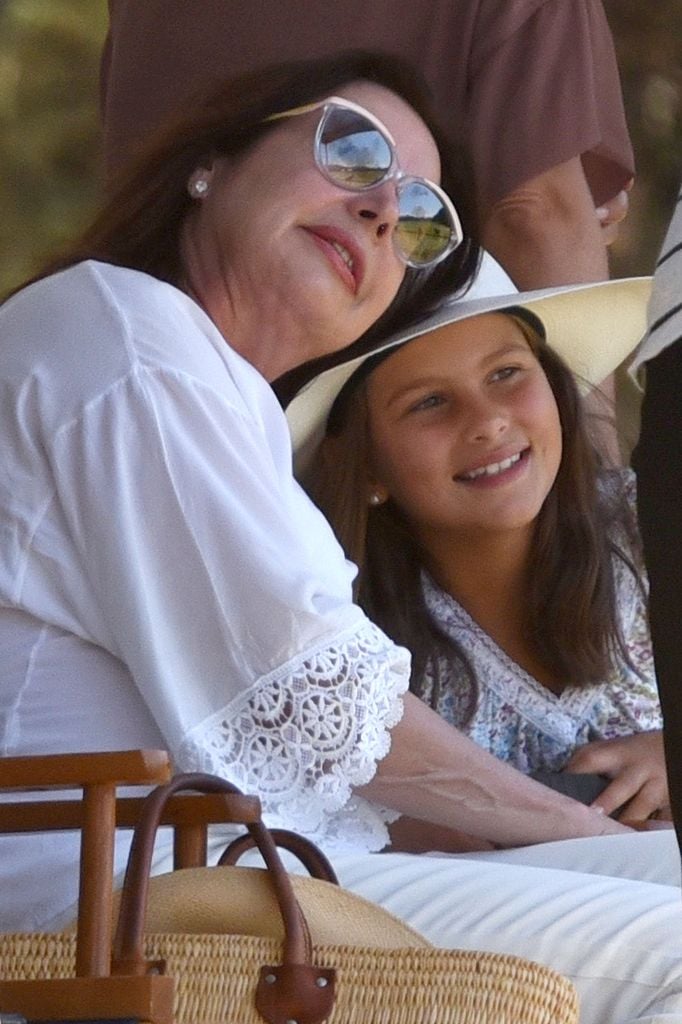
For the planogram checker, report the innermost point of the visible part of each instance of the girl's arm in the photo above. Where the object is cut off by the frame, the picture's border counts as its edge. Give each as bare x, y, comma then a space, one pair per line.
437, 775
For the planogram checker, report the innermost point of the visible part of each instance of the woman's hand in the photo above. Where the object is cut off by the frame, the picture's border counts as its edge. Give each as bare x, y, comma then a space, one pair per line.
636, 764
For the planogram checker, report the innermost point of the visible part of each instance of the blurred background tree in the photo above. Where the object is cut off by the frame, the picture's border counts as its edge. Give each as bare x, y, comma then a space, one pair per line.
49, 124
648, 38
49, 130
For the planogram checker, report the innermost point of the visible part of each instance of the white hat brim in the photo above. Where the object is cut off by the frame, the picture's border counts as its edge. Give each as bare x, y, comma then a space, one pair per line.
593, 327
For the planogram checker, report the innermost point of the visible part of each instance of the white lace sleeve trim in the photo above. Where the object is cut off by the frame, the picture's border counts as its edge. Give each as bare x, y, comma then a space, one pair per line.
309, 732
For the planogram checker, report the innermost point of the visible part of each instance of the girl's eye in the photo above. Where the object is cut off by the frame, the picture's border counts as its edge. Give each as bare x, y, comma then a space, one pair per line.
429, 402
505, 373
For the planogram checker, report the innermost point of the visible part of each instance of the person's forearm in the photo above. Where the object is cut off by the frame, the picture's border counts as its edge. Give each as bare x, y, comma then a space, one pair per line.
547, 231
436, 774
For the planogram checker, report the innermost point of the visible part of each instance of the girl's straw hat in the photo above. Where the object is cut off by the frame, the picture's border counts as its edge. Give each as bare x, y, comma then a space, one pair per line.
593, 327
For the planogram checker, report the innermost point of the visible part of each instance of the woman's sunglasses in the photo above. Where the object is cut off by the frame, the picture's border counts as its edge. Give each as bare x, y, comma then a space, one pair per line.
356, 151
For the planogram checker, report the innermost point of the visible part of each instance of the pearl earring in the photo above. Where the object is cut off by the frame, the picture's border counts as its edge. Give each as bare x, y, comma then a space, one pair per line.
374, 498
198, 188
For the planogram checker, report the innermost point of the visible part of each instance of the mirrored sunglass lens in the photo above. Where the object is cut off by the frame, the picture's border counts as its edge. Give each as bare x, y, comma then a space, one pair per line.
353, 152
424, 229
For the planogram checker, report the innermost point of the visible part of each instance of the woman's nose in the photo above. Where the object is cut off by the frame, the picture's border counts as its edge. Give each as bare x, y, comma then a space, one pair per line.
378, 206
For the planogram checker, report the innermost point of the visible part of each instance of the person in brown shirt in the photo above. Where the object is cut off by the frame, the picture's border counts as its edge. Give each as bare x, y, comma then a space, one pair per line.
657, 460
531, 85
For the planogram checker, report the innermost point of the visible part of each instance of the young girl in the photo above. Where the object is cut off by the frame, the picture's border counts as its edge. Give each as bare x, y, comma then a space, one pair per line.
460, 475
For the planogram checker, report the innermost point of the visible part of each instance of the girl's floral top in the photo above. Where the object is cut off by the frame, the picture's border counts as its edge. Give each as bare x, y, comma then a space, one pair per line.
518, 719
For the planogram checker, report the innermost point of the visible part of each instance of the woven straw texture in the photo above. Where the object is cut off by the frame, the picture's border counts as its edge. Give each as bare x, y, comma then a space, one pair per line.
215, 978
241, 901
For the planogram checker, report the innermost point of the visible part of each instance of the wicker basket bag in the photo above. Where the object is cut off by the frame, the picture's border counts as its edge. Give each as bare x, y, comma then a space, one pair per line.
285, 949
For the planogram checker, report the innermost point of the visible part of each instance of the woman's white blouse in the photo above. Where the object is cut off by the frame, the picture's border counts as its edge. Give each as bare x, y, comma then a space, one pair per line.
163, 579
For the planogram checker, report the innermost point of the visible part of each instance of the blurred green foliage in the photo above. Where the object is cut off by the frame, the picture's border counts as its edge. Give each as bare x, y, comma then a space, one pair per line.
49, 124
648, 38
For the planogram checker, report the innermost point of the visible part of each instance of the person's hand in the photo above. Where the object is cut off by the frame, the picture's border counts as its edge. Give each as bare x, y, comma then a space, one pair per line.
649, 824
612, 212
636, 764
408, 835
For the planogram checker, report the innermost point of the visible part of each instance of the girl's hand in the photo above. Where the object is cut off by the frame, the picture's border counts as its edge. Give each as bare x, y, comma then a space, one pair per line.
636, 764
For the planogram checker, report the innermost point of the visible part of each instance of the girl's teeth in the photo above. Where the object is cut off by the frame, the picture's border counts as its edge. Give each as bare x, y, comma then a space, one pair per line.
493, 469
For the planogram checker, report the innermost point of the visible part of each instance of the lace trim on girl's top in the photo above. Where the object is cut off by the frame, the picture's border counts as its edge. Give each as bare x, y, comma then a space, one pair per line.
310, 733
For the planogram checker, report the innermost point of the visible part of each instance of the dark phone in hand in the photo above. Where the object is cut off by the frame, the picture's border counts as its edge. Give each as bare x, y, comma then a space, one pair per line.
580, 786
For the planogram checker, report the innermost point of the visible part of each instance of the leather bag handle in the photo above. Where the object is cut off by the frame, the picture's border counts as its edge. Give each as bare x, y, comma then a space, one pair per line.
310, 856
294, 990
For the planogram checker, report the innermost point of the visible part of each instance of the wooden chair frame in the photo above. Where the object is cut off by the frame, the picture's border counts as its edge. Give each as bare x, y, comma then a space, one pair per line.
97, 812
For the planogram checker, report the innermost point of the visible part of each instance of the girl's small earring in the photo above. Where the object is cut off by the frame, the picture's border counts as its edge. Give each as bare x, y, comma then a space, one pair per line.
198, 187
374, 498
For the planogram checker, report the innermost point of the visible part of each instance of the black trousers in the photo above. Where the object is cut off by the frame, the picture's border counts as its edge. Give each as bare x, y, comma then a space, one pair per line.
658, 463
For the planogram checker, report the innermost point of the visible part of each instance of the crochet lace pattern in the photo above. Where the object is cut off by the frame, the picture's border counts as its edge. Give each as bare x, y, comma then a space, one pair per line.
304, 735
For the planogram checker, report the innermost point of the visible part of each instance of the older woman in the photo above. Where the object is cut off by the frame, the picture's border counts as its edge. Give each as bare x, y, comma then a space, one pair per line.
161, 581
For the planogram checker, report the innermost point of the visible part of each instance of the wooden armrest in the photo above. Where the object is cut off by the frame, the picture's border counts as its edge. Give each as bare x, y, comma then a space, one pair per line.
98, 813
189, 815
66, 771
98, 775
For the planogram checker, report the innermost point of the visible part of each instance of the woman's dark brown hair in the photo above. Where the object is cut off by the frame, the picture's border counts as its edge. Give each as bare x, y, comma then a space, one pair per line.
140, 224
584, 525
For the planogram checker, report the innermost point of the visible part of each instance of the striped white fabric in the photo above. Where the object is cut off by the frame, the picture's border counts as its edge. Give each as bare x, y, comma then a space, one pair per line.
665, 307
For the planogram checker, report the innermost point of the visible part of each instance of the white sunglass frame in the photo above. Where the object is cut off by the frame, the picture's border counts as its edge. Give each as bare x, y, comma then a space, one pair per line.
393, 173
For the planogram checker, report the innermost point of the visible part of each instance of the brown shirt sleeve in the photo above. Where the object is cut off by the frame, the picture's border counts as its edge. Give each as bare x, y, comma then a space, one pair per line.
530, 83
544, 87
160, 54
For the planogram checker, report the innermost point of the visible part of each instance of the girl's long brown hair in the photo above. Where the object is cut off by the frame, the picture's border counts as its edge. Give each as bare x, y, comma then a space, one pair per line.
583, 527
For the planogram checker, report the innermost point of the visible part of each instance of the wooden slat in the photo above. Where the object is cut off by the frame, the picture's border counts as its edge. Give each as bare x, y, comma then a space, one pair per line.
59, 815
190, 846
148, 998
95, 899
122, 767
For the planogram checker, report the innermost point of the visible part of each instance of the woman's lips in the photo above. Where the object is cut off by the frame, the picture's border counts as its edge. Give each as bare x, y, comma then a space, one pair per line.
342, 252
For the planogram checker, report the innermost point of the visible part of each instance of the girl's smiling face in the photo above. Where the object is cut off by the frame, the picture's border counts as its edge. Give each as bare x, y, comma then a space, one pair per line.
465, 435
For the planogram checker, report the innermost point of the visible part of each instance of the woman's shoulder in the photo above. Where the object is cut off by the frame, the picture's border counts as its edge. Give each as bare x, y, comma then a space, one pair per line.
166, 330
83, 277
74, 294
114, 319
89, 300
94, 329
